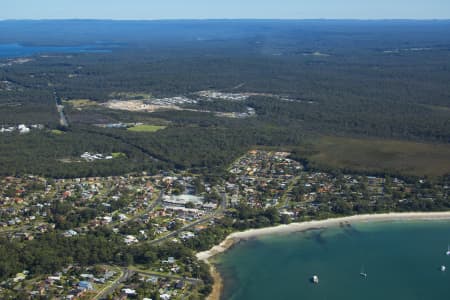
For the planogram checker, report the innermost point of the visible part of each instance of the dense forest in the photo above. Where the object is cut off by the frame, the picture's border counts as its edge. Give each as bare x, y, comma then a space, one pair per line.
387, 80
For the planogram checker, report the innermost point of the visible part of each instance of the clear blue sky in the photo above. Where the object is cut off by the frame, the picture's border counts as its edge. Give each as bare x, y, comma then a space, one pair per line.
213, 9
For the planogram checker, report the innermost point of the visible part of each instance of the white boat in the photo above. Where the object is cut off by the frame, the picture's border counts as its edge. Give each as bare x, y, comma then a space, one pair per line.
315, 279
443, 268
448, 250
362, 273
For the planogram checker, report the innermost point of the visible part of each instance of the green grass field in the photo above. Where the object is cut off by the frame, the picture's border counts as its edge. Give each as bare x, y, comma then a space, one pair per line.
78, 103
118, 155
146, 128
57, 131
409, 158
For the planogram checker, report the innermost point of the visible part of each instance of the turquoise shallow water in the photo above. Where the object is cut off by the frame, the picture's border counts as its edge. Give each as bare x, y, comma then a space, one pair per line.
402, 261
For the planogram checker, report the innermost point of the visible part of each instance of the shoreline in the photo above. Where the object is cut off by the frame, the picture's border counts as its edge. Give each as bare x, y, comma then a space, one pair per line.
235, 237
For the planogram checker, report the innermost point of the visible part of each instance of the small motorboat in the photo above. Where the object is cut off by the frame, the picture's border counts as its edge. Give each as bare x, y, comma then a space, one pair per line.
363, 274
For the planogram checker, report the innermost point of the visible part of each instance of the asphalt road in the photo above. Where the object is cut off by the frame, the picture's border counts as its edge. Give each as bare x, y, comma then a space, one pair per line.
126, 274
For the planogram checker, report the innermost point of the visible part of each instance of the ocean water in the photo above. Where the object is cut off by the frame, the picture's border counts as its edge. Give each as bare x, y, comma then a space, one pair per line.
17, 50
402, 261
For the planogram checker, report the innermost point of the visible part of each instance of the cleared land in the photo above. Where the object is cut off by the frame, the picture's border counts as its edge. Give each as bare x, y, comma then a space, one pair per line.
78, 103
146, 128
409, 158
138, 105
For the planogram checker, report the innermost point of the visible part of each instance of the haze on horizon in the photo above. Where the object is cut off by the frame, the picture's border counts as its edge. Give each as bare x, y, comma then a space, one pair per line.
230, 9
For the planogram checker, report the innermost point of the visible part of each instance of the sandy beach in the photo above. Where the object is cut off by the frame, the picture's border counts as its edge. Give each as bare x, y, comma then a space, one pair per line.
298, 227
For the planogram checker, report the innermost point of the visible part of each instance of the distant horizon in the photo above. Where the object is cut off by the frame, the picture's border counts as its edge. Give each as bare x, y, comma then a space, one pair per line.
230, 19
